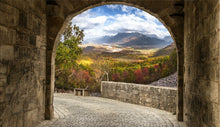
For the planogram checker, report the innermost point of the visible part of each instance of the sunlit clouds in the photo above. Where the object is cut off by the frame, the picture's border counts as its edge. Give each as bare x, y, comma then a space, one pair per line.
113, 19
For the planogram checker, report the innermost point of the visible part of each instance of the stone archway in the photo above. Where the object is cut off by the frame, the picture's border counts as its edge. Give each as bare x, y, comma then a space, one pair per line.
170, 13
28, 31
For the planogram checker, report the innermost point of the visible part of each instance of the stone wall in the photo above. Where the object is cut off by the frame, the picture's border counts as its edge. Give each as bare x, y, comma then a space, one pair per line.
151, 96
22, 62
202, 63
29, 31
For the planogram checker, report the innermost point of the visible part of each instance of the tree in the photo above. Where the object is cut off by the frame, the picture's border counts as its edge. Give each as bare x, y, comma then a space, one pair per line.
139, 76
116, 77
125, 75
101, 68
67, 53
68, 50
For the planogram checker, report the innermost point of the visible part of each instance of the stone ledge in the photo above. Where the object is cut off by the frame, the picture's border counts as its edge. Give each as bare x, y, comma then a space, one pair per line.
152, 96
141, 85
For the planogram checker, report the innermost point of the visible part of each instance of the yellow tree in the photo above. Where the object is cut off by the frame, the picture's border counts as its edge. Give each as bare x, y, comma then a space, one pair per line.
101, 68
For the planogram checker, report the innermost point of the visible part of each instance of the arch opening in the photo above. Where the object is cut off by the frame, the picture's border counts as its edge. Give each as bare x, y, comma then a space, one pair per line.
56, 42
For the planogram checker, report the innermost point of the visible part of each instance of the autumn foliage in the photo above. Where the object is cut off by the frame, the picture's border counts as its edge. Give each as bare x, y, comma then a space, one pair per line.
147, 71
71, 74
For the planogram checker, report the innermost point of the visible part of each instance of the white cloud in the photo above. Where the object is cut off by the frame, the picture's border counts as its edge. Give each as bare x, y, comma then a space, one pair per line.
138, 21
85, 21
126, 9
147, 16
92, 25
113, 6
128, 23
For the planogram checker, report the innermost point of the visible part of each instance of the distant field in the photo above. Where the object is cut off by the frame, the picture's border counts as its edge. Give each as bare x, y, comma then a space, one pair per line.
121, 64
124, 54
128, 60
164, 51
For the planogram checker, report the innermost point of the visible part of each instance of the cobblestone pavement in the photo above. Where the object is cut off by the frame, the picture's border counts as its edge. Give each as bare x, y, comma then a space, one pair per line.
76, 111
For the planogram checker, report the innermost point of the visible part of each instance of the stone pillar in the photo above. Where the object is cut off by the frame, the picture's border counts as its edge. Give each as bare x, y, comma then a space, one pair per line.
49, 109
54, 24
180, 62
202, 63
178, 37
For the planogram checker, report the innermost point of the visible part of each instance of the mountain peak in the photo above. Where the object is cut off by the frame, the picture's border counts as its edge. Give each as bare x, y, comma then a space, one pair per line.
135, 39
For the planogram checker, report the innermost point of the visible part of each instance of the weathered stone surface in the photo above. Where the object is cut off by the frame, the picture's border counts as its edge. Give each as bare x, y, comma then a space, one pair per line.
6, 52
22, 77
29, 35
3, 80
164, 98
3, 69
76, 111
202, 63
10, 15
7, 36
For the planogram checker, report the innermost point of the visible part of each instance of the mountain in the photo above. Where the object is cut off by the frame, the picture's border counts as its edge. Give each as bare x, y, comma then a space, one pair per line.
135, 40
165, 51
168, 39
94, 49
118, 38
143, 40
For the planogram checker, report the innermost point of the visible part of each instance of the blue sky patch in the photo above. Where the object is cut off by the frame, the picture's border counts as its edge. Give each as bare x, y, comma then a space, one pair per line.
109, 20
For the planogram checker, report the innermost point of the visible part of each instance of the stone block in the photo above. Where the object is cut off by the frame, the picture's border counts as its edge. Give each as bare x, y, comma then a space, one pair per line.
214, 86
19, 121
217, 13
22, 52
6, 52
23, 19
3, 69
216, 17
204, 87
3, 80
8, 36
10, 89
215, 39
39, 41
10, 15
2, 94
31, 103
216, 114
22, 38
16, 105
31, 118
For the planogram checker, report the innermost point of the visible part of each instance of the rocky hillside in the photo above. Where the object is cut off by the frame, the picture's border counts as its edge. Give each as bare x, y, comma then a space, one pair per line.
169, 81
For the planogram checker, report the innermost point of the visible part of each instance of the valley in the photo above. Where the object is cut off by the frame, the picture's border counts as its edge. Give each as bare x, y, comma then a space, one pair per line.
125, 57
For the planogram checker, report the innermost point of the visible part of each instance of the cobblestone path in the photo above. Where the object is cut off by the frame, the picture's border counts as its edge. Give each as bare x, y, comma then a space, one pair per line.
75, 111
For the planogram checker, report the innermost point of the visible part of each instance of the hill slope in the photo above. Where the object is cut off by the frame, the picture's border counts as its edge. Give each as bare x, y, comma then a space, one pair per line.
135, 40
165, 51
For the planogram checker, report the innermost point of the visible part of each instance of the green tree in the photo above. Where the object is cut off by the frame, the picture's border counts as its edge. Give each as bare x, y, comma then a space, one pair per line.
67, 53
68, 50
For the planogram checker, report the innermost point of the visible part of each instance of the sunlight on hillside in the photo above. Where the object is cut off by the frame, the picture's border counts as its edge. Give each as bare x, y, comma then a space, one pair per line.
85, 61
131, 50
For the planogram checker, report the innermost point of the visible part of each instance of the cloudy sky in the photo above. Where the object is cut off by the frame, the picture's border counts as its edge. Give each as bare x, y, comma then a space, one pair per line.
112, 19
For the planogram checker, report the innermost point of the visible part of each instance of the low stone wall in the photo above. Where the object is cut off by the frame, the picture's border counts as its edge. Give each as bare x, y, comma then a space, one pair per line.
151, 96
